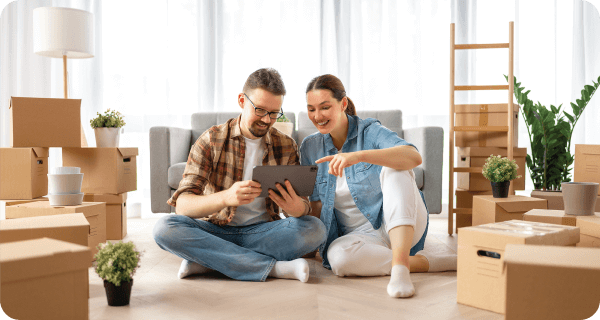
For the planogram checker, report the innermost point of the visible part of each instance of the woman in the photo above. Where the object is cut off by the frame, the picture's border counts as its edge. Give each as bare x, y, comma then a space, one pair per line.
365, 193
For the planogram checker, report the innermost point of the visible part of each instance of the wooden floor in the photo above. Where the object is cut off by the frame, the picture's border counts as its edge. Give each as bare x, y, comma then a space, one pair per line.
158, 293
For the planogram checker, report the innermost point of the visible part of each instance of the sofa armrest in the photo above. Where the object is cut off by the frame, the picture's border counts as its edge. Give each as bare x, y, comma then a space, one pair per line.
430, 143
168, 145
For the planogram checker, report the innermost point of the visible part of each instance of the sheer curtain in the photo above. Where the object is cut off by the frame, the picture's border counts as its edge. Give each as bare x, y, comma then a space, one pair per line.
159, 61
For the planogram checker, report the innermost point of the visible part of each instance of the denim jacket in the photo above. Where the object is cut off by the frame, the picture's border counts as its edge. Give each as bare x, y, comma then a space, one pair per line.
363, 178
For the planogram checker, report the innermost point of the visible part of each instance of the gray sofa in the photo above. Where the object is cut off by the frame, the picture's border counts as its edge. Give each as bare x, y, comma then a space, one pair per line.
169, 149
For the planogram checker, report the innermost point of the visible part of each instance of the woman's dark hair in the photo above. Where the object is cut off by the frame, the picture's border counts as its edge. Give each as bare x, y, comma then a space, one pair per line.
333, 84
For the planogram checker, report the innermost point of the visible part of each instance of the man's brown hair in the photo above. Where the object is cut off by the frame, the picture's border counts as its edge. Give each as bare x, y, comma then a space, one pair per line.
267, 79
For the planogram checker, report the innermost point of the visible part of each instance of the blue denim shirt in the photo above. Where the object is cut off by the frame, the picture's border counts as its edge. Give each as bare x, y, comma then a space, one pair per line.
363, 178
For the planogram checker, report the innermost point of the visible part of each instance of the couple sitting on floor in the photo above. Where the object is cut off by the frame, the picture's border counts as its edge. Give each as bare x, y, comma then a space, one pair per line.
366, 215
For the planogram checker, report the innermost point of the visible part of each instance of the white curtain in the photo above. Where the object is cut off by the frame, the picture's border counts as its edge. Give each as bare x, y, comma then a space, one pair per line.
159, 61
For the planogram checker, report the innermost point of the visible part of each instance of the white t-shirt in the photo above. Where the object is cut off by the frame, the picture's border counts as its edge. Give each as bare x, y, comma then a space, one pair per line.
350, 217
256, 211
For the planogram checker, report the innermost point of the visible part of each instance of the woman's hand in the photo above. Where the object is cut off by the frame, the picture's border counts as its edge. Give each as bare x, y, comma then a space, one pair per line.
288, 200
338, 162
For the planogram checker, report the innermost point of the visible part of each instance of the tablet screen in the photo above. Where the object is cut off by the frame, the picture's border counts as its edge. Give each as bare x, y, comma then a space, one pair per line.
302, 178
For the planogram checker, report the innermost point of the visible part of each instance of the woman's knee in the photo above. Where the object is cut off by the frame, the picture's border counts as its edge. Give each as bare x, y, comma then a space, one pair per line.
341, 258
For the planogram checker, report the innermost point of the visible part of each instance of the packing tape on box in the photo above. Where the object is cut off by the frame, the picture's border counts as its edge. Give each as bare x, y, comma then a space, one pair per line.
531, 228
483, 122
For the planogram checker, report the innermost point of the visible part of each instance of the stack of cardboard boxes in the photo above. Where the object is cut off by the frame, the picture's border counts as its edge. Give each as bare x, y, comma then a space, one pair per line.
475, 147
63, 239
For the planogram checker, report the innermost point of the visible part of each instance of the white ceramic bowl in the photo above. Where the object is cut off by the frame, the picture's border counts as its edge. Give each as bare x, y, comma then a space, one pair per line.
64, 183
66, 170
65, 199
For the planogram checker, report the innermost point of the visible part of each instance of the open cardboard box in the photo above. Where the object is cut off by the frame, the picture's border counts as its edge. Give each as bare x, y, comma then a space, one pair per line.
487, 209
548, 282
106, 170
45, 122
476, 157
94, 212
23, 173
116, 213
481, 279
44, 279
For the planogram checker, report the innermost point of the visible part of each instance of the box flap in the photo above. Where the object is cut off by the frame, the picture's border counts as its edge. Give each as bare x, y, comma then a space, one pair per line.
43, 208
553, 256
589, 225
588, 148
519, 203
108, 198
128, 152
487, 151
41, 257
41, 152
62, 220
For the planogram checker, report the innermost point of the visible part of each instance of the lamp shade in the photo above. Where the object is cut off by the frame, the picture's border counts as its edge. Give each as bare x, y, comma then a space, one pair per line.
63, 31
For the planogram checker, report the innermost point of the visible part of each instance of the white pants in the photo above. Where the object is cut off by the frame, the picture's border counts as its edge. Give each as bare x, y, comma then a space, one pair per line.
370, 254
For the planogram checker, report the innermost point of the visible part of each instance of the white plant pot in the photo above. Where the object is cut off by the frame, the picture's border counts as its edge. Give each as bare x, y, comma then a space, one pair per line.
60, 184
65, 199
107, 137
285, 127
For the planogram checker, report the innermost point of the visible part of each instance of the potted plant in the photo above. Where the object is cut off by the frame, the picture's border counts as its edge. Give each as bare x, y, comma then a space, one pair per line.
284, 125
116, 264
500, 171
550, 133
107, 128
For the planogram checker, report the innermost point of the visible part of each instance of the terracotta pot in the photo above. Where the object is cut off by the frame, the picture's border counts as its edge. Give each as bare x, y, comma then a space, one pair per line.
500, 189
580, 197
118, 296
107, 137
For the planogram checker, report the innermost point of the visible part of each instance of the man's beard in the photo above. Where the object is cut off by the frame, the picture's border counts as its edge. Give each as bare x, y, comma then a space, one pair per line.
259, 132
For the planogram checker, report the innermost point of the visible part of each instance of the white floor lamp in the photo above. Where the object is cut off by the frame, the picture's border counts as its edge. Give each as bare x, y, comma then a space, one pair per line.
64, 33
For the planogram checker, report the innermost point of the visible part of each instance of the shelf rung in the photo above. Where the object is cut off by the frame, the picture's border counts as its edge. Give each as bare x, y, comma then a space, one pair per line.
469, 169
482, 129
463, 210
492, 87
480, 46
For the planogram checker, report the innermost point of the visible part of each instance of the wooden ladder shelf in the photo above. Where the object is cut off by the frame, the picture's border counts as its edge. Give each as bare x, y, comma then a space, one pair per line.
508, 107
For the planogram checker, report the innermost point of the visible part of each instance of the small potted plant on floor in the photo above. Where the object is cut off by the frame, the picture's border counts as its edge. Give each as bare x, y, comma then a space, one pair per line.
116, 264
500, 171
107, 128
284, 125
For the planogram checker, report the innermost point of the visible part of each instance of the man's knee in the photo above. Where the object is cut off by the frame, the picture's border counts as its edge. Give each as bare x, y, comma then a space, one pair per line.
164, 228
311, 229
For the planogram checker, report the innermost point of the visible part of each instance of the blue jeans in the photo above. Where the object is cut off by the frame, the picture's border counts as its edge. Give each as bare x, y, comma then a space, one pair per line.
241, 253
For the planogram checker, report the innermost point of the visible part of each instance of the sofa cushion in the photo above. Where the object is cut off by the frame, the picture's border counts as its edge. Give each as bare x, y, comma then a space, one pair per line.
175, 174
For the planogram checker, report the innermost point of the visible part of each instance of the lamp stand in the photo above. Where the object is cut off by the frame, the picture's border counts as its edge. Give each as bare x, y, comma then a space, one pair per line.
83, 139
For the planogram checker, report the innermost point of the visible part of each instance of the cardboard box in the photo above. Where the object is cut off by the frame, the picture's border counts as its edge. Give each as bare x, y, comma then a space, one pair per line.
105, 170
487, 209
116, 213
476, 157
5, 203
587, 164
589, 225
550, 216
463, 220
94, 212
44, 122
588, 242
489, 115
464, 198
73, 228
481, 279
44, 279
544, 282
23, 173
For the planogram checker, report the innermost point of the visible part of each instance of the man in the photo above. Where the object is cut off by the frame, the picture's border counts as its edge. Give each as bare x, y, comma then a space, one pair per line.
220, 223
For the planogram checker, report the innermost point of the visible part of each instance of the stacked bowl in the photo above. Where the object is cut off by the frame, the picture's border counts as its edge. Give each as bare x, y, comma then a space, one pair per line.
64, 186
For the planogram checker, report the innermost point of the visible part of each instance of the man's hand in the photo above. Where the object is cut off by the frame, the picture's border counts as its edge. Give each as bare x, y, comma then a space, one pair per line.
338, 162
242, 192
288, 200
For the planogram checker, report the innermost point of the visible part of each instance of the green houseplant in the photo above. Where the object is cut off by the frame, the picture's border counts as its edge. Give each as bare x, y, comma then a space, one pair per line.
500, 171
116, 263
550, 131
107, 128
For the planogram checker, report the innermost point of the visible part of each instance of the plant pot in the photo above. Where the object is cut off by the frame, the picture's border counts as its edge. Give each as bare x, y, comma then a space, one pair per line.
285, 127
580, 197
107, 137
118, 295
500, 189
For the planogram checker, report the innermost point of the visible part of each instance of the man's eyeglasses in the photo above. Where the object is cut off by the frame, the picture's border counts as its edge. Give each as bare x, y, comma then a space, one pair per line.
262, 112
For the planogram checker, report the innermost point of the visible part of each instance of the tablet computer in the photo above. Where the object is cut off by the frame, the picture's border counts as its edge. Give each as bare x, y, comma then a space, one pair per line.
302, 178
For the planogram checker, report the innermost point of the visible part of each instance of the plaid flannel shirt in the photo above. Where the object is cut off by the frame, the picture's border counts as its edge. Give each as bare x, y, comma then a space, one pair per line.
216, 162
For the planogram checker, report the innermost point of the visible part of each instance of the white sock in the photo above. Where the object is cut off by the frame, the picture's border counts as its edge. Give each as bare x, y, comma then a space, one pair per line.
400, 285
439, 261
295, 269
189, 268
